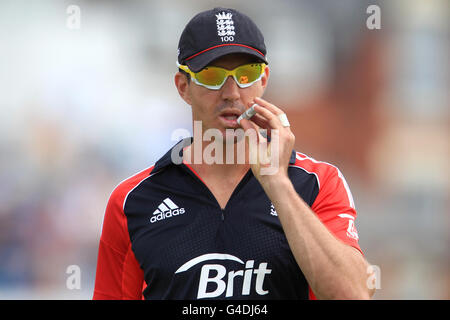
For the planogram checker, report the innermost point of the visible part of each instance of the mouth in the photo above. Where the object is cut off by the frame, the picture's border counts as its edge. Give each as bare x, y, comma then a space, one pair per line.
229, 118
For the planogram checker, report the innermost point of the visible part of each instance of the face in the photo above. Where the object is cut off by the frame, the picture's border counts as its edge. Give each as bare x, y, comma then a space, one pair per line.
220, 108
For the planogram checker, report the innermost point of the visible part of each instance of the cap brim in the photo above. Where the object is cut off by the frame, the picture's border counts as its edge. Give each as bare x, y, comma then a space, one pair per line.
201, 60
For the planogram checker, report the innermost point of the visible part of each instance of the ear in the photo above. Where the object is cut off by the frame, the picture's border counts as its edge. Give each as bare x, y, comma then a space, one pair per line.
182, 84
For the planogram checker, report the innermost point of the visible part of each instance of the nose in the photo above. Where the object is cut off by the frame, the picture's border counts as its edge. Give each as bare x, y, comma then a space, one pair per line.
230, 90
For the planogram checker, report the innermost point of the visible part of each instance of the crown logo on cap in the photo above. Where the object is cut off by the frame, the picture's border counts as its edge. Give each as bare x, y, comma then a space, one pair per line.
225, 26
224, 16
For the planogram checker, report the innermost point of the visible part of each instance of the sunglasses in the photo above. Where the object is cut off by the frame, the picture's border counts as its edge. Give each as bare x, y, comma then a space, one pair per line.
213, 78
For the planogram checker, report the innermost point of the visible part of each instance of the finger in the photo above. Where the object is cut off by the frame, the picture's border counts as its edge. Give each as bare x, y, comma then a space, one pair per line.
272, 120
252, 140
260, 121
263, 124
248, 125
256, 119
274, 109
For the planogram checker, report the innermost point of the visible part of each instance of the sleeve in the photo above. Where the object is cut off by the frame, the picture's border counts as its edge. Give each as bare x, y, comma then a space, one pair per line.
335, 207
118, 274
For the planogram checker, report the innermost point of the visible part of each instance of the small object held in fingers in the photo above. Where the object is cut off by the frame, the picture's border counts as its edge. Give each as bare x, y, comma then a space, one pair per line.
247, 114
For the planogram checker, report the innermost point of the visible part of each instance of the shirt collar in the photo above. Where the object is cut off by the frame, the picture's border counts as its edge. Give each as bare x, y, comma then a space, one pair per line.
171, 157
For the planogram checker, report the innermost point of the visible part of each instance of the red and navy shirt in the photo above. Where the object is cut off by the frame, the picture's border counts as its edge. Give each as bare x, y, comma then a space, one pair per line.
165, 236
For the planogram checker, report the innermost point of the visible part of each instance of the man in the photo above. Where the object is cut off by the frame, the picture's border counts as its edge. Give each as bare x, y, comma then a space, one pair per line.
189, 229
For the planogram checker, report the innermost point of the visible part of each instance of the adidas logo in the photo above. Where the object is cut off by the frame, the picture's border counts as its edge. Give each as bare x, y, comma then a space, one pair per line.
166, 209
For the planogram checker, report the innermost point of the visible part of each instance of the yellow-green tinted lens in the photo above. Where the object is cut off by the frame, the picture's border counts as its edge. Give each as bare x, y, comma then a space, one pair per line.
248, 73
211, 76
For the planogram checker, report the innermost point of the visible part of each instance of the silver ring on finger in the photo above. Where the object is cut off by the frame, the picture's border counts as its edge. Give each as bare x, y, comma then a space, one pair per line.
284, 120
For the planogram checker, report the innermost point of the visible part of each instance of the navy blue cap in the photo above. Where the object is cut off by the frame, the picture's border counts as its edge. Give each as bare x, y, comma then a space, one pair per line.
218, 32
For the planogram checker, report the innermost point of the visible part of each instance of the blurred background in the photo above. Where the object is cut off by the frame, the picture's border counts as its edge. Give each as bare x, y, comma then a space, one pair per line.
84, 106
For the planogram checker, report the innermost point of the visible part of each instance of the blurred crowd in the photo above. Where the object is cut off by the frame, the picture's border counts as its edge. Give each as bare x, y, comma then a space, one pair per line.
82, 109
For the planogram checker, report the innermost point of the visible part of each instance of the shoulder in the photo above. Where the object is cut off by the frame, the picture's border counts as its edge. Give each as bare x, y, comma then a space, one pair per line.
123, 189
320, 169
329, 177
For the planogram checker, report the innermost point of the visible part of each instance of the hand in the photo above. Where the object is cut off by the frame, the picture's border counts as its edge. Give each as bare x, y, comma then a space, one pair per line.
268, 160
